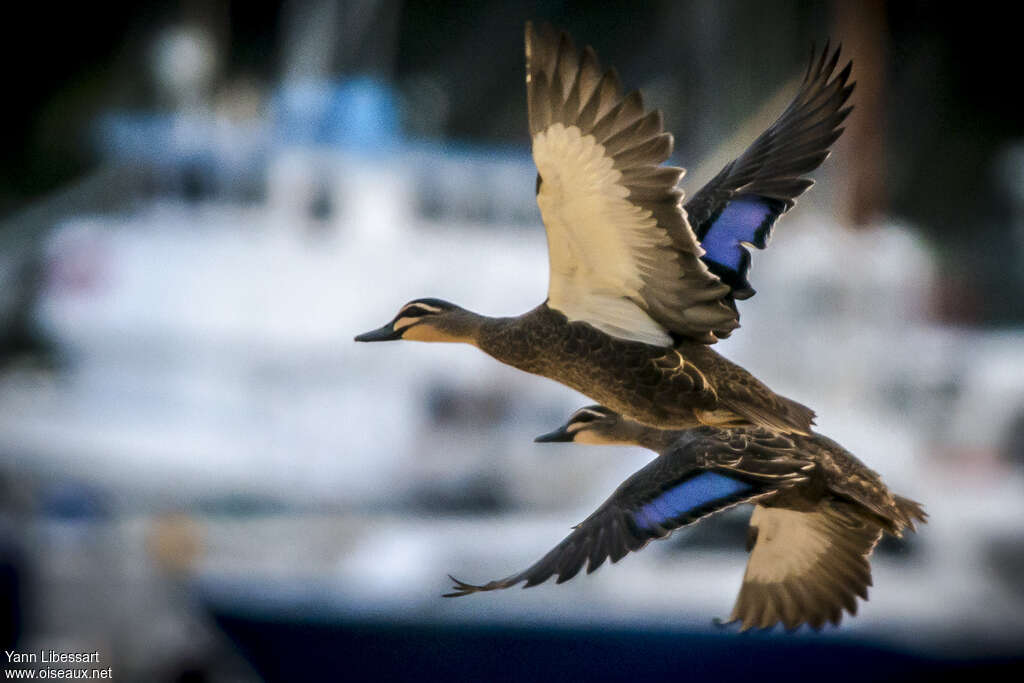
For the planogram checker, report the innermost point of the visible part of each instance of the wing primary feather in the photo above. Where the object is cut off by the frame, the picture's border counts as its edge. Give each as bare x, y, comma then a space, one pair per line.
653, 151
611, 86
589, 79
567, 66
640, 130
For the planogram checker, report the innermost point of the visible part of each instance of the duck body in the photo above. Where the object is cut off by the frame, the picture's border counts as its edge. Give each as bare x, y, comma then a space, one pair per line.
818, 513
670, 387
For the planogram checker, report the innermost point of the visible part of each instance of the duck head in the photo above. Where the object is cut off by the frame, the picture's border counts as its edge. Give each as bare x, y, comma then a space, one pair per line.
597, 425
593, 425
429, 320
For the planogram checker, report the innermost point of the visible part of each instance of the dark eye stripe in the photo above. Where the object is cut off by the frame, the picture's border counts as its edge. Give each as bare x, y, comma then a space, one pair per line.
588, 415
416, 311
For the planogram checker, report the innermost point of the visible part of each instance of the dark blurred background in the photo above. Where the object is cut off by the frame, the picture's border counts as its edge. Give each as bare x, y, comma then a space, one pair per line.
201, 203
942, 125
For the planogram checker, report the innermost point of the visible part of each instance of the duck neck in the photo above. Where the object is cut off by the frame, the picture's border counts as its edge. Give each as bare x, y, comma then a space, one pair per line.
515, 341
657, 440
464, 326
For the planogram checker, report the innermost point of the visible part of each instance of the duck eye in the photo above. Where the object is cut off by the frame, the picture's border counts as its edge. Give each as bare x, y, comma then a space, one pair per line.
417, 311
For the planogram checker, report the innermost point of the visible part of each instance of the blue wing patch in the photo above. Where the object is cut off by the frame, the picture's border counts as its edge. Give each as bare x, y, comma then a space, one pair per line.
746, 219
699, 493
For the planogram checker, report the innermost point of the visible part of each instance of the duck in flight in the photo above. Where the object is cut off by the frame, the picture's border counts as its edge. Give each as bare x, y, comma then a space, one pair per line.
818, 513
641, 285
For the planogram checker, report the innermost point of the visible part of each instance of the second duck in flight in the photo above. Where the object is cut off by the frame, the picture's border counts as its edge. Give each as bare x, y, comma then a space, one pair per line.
818, 514
640, 285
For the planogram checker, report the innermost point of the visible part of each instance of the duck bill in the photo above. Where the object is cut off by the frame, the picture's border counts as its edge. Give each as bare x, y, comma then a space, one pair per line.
559, 435
386, 333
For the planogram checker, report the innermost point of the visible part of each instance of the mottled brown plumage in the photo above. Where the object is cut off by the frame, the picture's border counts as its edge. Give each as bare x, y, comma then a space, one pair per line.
819, 513
678, 387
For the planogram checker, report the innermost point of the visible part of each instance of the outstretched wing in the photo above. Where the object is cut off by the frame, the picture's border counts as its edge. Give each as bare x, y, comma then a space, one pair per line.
709, 470
805, 567
622, 255
741, 204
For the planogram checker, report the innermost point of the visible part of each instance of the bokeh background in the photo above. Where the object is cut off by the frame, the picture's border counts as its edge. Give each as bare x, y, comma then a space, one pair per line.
205, 479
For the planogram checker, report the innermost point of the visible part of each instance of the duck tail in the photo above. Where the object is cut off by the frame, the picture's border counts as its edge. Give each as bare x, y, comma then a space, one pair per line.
781, 415
909, 512
797, 413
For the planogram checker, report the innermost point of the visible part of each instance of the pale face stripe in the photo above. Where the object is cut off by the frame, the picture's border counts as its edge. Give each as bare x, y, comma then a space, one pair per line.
420, 308
402, 323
